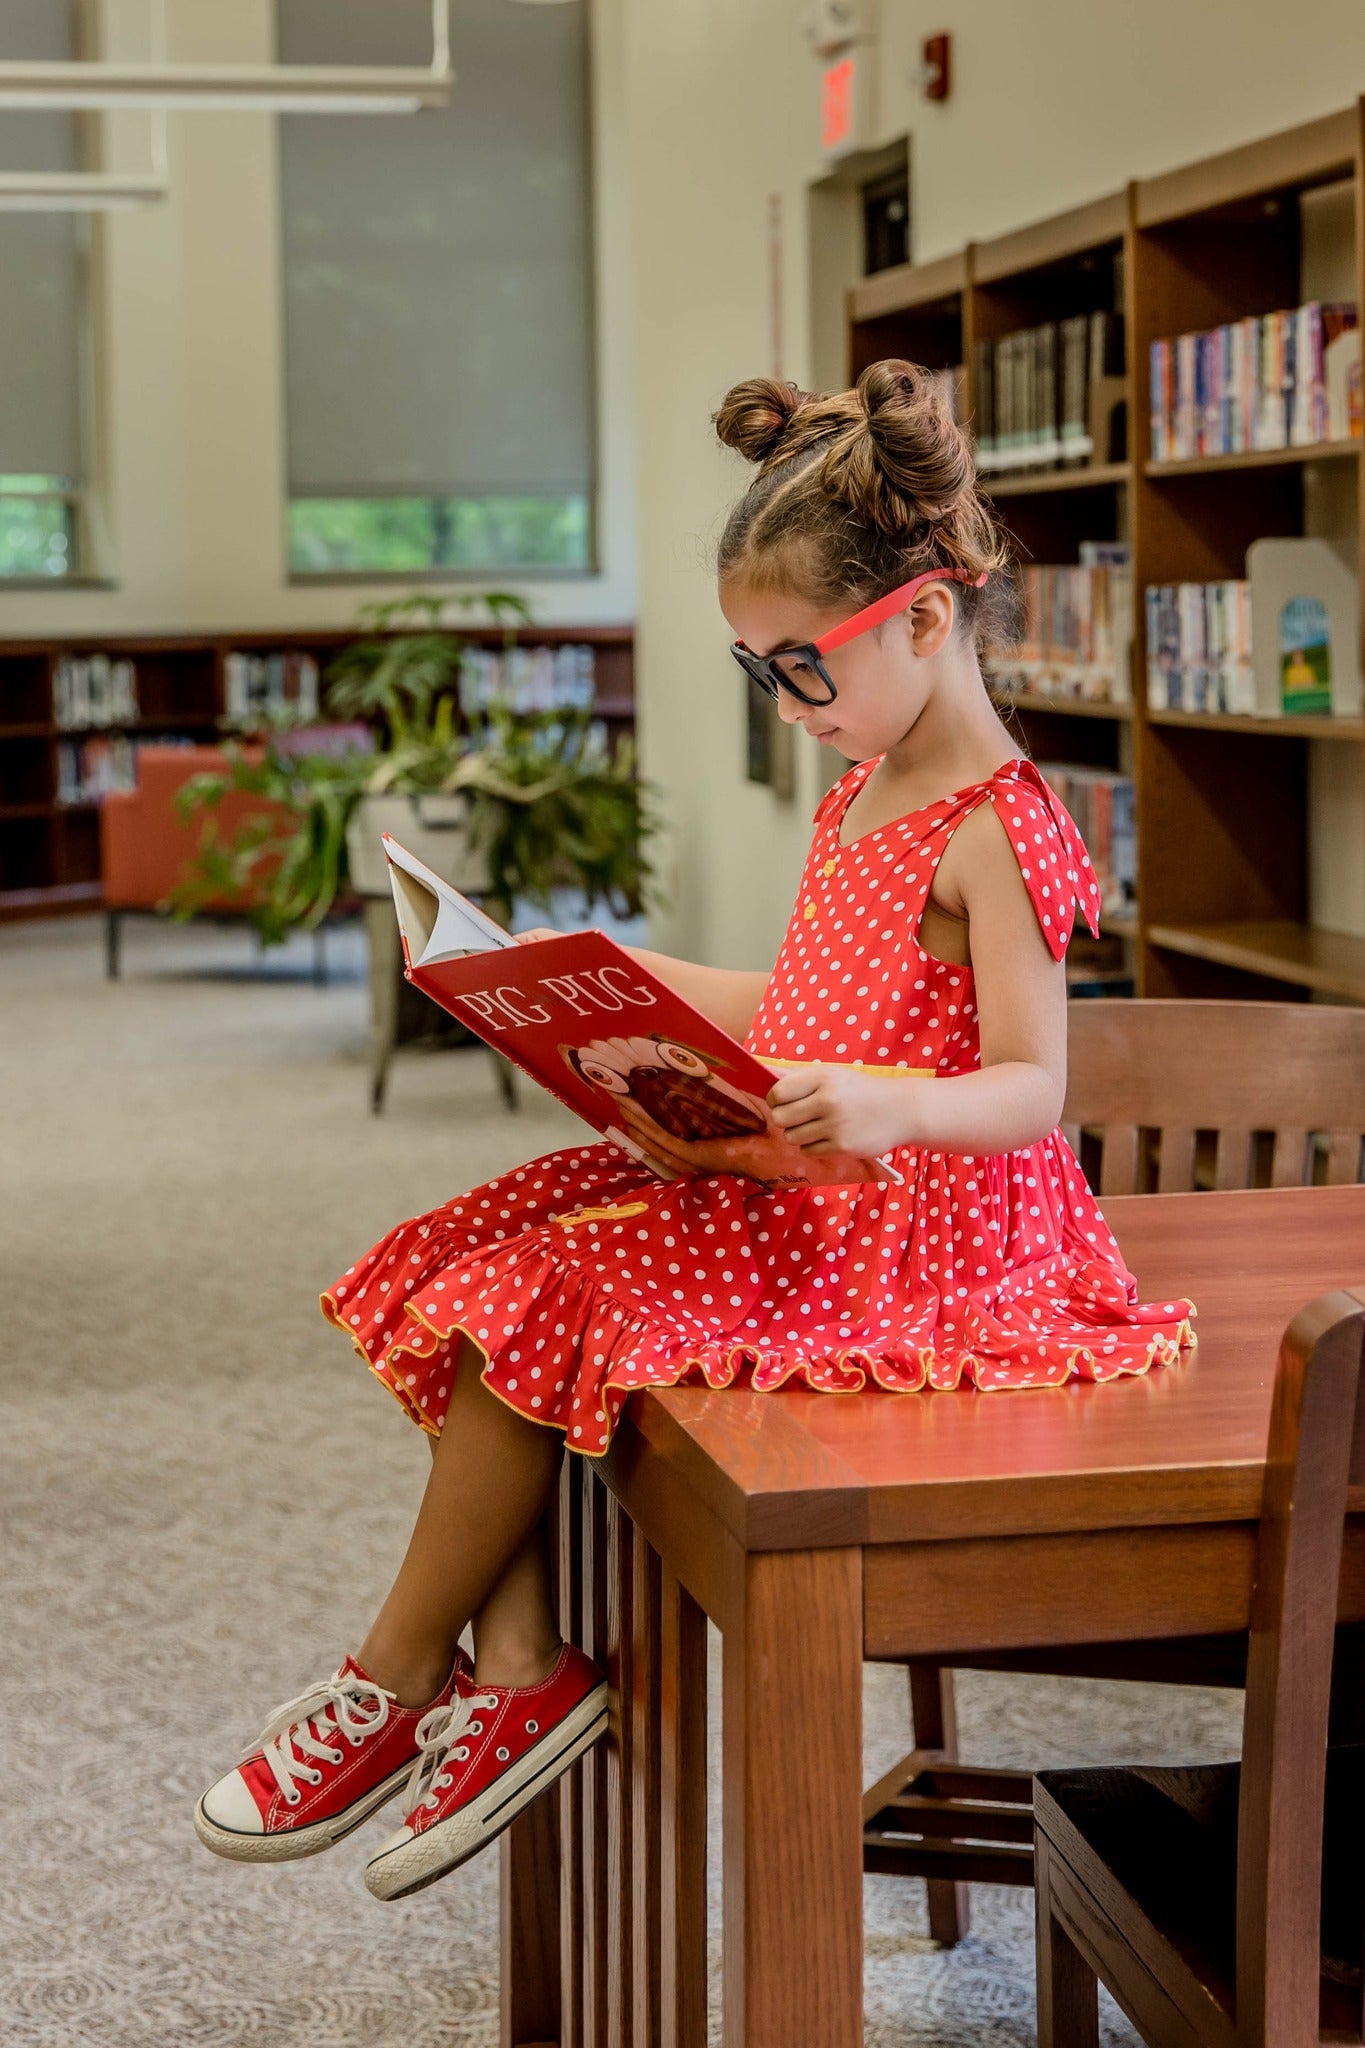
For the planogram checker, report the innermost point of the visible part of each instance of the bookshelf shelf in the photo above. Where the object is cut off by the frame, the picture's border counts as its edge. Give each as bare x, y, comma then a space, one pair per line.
1258, 458
1269, 728
49, 850
1039, 483
1241, 843
1067, 707
1331, 963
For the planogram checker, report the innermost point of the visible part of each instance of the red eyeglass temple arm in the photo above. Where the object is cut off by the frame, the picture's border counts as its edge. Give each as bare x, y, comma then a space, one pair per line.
886, 607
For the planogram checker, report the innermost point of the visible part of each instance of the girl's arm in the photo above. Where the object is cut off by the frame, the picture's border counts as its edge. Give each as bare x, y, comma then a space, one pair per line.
1017, 1096
728, 996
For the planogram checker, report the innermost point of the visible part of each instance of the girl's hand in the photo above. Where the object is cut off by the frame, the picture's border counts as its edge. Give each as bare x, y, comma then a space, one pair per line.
837, 1109
764, 1156
541, 931
767, 1156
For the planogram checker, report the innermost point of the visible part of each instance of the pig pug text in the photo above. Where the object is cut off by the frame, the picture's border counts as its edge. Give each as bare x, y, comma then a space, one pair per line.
594, 989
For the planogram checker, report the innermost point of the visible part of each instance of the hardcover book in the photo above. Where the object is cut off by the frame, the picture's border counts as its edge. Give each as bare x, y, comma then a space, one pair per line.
615, 1044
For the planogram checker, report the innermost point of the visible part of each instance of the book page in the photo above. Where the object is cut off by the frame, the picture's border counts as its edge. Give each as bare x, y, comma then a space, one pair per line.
437, 922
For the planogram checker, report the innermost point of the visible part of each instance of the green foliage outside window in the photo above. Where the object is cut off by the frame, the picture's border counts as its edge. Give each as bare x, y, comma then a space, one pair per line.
355, 536
36, 528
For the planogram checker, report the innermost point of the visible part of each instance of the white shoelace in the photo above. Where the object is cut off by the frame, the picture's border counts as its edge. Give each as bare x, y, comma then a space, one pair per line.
350, 1707
438, 1732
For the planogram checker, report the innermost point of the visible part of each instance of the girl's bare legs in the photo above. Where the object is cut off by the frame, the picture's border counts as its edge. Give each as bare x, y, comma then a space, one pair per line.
477, 1553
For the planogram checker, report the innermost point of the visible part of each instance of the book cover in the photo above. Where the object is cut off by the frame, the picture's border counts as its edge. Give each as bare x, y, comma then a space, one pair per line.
610, 1040
1305, 629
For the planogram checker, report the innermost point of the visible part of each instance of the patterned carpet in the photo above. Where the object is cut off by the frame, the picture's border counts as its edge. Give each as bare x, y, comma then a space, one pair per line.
202, 1497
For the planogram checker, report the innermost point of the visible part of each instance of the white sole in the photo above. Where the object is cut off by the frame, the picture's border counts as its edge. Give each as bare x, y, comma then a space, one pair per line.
416, 1861
286, 1845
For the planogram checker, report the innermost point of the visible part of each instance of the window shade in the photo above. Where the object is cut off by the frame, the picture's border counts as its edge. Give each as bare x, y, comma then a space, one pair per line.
437, 267
41, 261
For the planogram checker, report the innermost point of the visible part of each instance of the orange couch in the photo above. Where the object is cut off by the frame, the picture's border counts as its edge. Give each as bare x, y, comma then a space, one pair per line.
145, 845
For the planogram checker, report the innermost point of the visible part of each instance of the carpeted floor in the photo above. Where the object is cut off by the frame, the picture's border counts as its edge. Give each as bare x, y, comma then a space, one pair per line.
202, 1496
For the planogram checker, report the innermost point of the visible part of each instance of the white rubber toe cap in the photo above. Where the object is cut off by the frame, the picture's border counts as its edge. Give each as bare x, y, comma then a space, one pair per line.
229, 1804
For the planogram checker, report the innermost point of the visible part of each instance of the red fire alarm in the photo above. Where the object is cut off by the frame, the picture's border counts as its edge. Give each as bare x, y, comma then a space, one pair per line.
936, 67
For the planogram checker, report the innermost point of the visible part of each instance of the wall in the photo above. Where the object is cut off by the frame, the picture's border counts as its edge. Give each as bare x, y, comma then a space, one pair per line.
189, 482
1053, 103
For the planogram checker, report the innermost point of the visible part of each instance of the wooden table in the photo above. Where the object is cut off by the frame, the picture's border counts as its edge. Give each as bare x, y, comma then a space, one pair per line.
817, 1531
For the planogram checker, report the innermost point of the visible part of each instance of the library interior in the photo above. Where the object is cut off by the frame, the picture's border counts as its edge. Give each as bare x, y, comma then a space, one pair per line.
458, 461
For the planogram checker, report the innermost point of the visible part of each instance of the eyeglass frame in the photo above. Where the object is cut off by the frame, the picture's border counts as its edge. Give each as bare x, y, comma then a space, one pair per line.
761, 669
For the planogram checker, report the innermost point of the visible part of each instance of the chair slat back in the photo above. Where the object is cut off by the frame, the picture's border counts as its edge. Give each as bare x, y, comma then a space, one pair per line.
1318, 1415
1290, 1070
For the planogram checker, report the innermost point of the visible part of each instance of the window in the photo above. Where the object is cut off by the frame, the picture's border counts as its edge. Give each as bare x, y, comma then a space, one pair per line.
438, 300
42, 312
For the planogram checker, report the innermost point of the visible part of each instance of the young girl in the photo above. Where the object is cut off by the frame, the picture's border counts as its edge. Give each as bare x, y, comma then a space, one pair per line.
918, 1013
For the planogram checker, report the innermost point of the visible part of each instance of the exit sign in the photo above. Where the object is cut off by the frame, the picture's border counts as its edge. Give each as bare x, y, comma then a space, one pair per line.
845, 96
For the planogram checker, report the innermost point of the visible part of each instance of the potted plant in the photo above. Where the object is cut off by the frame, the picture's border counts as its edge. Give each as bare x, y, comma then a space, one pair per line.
540, 802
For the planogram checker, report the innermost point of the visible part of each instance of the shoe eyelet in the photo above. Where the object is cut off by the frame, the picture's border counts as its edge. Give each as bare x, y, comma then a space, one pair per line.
533, 1727
293, 1798
462, 1753
503, 1755
335, 1756
476, 1727
314, 1777
443, 1783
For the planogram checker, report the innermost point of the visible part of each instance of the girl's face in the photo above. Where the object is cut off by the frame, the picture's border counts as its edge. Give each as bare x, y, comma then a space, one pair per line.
883, 678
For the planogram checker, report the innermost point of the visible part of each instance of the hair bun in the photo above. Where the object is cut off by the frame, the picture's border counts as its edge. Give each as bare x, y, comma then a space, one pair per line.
755, 415
911, 462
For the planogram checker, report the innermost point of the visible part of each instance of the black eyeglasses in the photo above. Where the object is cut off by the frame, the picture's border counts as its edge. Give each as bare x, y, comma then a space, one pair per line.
797, 669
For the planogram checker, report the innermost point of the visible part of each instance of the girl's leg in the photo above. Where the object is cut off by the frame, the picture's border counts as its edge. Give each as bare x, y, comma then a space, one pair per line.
492, 1476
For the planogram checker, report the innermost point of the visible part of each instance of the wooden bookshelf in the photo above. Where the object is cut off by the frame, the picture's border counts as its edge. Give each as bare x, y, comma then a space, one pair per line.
1224, 803
49, 851
1254, 458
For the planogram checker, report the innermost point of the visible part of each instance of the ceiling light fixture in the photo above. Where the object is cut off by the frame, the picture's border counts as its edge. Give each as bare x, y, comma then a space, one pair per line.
90, 191
265, 88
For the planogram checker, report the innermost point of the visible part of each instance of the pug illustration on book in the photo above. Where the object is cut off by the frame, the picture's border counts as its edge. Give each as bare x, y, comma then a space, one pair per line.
616, 1045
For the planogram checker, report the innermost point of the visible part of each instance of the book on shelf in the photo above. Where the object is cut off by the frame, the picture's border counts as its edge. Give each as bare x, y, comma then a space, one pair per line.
256, 684
1288, 379
528, 678
1305, 629
1199, 647
610, 1040
1281, 641
1077, 629
1101, 802
89, 770
1032, 391
93, 690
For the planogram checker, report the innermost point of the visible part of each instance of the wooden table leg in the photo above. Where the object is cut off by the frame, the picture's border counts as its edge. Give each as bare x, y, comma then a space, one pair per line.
933, 1718
682, 1798
530, 1929
793, 1803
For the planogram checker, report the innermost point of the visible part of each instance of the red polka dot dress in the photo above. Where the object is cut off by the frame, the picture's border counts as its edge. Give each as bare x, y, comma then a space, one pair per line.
582, 1275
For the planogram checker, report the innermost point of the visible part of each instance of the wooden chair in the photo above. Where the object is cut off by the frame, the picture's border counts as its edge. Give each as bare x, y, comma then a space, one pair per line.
1161, 1096
1212, 1901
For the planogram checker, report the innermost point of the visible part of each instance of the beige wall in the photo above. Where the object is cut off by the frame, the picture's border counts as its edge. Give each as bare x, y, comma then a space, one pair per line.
187, 379
1055, 102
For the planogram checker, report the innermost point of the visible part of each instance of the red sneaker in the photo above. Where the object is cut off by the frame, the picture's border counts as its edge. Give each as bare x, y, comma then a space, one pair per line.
484, 1758
323, 1764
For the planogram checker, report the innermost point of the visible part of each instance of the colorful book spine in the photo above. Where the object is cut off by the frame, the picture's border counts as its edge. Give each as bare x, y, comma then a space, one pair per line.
1101, 802
1265, 383
1199, 650
1077, 632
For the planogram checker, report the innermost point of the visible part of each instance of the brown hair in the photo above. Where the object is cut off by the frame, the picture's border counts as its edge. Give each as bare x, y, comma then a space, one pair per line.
858, 491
